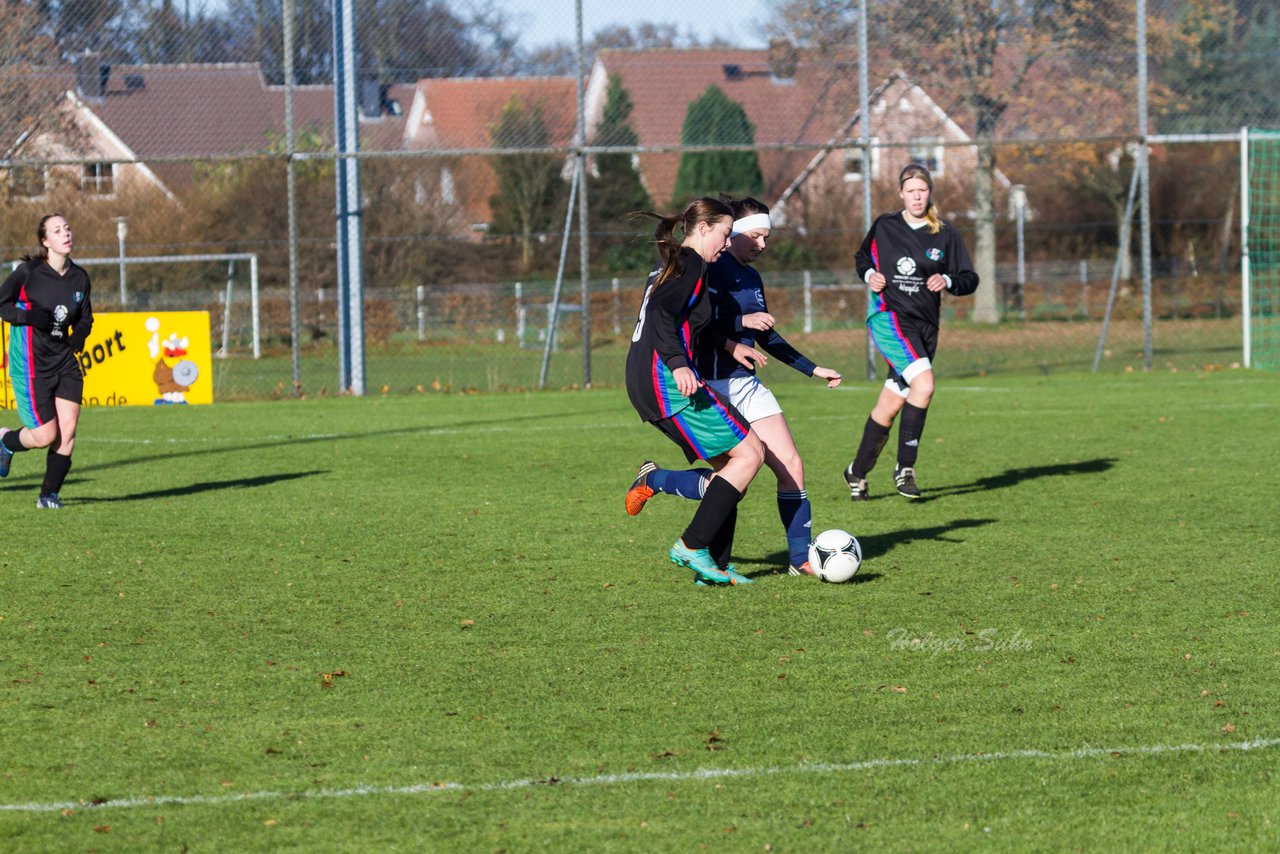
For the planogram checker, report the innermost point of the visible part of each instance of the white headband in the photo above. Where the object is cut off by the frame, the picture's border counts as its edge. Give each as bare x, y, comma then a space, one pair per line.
748, 223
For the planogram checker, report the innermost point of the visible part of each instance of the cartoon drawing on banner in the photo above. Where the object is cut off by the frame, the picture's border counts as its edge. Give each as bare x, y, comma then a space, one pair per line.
173, 381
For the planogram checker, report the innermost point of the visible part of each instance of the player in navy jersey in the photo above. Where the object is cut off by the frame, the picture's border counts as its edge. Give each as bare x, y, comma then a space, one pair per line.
666, 390
739, 310
908, 258
46, 302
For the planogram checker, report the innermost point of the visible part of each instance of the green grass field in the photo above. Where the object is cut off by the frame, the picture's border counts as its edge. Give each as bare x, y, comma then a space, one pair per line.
474, 362
427, 624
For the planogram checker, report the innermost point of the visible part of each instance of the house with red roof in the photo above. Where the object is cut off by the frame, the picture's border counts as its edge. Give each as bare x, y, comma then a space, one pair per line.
454, 118
153, 123
805, 110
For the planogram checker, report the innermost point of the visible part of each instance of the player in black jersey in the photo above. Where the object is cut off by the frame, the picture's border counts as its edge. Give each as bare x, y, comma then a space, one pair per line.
908, 258
46, 302
737, 296
664, 386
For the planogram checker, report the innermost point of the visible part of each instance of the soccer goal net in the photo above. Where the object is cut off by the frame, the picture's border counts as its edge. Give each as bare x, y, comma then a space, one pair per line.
1260, 267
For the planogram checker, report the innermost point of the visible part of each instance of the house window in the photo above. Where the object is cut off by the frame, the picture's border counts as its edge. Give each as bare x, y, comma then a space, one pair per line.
929, 154
853, 165
28, 181
448, 189
96, 179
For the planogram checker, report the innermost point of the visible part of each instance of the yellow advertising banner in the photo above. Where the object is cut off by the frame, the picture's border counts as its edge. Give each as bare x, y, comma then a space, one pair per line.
139, 358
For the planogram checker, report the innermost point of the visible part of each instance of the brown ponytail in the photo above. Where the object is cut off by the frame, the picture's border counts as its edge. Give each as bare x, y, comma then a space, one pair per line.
704, 209
42, 254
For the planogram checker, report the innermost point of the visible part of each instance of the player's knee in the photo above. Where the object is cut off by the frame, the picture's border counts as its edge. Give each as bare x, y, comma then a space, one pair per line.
922, 388
43, 436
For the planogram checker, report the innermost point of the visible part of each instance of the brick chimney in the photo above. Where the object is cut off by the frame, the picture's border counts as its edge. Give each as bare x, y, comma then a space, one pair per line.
92, 75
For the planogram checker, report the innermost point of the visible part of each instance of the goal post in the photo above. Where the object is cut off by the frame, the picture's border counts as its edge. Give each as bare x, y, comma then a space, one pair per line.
1260, 247
231, 258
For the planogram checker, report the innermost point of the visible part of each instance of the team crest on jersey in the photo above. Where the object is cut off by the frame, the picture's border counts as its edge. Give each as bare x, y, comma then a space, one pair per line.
906, 265
933, 254
79, 297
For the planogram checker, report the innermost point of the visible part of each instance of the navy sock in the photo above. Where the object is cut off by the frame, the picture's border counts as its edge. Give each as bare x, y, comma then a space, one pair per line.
720, 500
910, 428
686, 483
797, 520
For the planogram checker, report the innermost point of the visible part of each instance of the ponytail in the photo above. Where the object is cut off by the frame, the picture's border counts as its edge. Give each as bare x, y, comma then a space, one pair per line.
931, 217
42, 254
703, 209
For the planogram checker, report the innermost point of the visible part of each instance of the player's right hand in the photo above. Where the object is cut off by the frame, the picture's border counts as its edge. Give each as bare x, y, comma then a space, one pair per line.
686, 381
876, 281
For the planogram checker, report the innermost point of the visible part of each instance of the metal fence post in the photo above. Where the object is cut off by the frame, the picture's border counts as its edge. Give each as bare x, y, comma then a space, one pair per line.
422, 313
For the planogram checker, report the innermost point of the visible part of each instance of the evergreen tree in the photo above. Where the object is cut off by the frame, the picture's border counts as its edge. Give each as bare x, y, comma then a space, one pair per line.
529, 184
615, 188
713, 118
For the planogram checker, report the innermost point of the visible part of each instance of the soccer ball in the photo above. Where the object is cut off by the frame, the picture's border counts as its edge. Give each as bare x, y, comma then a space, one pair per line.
835, 555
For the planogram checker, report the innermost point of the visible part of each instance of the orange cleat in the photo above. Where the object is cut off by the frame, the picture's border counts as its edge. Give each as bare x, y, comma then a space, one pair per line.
638, 494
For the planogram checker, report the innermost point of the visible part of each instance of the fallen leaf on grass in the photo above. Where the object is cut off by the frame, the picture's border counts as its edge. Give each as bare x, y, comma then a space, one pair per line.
1228, 727
102, 828
326, 679
900, 689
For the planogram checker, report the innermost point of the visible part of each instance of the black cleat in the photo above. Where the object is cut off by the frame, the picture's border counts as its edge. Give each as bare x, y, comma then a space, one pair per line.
857, 485
905, 478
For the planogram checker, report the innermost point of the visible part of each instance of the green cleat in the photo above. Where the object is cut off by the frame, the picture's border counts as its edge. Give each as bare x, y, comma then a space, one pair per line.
700, 561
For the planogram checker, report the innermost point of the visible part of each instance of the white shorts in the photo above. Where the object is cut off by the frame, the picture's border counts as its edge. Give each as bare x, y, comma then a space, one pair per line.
748, 395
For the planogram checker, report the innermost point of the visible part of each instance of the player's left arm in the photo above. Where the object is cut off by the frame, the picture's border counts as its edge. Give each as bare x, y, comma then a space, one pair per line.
84, 324
961, 279
778, 347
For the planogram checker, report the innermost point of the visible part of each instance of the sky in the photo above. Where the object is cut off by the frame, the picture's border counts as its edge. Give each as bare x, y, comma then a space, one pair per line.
541, 22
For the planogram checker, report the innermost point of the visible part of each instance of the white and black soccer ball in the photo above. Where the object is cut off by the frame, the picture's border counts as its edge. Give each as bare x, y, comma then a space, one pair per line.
835, 555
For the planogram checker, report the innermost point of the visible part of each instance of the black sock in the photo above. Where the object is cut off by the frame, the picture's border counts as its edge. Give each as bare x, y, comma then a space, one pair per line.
910, 429
55, 472
721, 545
12, 442
721, 500
874, 435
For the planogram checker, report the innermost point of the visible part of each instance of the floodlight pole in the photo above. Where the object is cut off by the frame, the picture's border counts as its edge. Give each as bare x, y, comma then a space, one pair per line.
291, 191
347, 139
1144, 169
584, 254
864, 111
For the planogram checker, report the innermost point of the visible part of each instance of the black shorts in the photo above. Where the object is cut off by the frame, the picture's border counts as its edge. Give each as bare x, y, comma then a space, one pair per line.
907, 345
33, 394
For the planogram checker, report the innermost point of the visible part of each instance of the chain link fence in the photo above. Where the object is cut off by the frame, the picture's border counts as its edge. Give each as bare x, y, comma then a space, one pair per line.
210, 131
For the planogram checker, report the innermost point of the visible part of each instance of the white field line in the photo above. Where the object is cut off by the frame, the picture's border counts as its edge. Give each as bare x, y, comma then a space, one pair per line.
281, 437
698, 775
